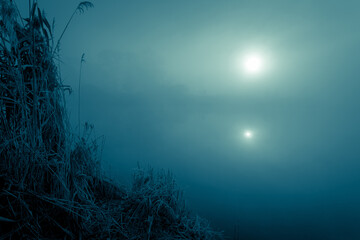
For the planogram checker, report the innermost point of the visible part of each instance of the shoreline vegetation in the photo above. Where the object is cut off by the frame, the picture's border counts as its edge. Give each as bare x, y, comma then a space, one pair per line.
51, 183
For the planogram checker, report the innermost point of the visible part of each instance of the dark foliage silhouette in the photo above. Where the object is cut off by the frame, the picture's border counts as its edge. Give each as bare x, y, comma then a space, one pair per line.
51, 185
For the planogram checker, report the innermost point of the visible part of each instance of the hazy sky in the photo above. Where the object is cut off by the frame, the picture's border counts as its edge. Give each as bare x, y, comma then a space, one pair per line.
162, 82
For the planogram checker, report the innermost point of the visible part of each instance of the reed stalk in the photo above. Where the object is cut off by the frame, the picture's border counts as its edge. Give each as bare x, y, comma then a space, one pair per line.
51, 184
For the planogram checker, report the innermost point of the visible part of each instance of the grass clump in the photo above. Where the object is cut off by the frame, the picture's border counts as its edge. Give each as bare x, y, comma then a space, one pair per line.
51, 186
156, 209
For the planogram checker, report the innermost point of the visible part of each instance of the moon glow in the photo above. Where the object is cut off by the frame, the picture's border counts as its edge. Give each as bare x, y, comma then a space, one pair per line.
253, 64
248, 134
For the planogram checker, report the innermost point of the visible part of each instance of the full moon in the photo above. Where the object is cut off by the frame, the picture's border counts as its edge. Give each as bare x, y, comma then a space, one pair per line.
253, 64
248, 134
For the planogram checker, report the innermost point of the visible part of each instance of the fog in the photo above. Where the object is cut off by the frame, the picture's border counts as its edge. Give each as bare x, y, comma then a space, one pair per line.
161, 83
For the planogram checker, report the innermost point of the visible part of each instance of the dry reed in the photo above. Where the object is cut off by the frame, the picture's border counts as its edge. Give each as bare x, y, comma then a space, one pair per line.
51, 186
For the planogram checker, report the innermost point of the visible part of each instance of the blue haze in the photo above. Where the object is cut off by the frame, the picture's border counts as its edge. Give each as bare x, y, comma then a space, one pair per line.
159, 84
